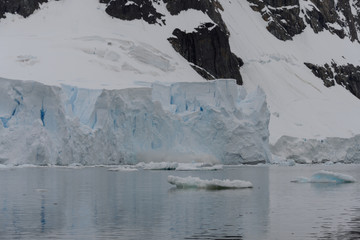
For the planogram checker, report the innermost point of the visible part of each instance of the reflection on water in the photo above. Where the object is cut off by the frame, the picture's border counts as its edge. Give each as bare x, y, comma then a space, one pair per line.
93, 203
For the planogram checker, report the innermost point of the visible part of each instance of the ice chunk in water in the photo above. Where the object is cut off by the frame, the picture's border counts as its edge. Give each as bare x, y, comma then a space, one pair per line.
215, 184
326, 177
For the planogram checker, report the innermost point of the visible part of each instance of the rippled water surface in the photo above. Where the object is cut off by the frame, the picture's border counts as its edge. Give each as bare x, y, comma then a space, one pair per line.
94, 203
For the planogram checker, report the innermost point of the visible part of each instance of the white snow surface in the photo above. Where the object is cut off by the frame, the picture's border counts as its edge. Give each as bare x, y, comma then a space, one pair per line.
300, 105
214, 184
209, 122
75, 43
78, 43
326, 177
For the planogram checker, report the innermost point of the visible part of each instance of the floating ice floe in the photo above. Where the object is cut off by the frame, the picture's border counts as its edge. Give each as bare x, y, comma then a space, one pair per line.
326, 177
215, 184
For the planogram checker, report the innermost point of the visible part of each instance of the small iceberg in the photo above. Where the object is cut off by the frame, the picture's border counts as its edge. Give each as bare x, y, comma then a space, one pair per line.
326, 177
215, 184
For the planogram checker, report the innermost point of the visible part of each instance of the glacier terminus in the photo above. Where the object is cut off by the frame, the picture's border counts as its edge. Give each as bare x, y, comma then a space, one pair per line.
215, 121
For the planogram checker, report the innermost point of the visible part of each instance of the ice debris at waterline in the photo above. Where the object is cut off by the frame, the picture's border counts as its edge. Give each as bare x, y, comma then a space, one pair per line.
178, 166
123, 168
215, 184
52, 125
326, 177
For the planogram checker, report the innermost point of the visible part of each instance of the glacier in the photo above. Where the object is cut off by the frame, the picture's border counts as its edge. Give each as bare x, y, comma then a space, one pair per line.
327, 150
217, 122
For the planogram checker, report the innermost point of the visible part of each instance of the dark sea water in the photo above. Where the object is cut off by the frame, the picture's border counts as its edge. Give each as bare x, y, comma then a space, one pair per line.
94, 203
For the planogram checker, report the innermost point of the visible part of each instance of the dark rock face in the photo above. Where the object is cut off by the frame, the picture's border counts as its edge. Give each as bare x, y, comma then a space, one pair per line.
326, 14
22, 7
282, 16
345, 75
209, 50
325, 73
134, 9
348, 76
286, 19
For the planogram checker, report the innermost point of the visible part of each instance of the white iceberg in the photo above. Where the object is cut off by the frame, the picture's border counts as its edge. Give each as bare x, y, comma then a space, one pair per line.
326, 177
214, 184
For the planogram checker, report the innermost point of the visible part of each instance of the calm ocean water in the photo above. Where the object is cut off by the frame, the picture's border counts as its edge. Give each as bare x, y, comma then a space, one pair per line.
94, 203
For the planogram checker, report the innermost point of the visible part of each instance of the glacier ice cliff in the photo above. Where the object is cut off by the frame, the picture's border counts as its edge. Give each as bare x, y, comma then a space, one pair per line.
331, 149
209, 121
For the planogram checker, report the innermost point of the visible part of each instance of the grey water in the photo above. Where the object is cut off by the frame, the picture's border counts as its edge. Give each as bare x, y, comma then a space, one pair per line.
94, 203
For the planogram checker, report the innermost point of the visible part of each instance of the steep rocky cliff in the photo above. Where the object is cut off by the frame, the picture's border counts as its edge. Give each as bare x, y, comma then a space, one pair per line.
287, 18
209, 50
22, 7
345, 75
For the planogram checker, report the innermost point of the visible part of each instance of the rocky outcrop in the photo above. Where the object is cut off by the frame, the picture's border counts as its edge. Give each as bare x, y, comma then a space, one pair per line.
338, 19
208, 49
282, 16
325, 73
210, 7
349, 77
134, 9
287, 18
345, 75
22, 7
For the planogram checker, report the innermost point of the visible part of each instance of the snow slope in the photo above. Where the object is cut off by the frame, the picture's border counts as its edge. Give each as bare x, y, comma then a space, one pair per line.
301, 106
76, 43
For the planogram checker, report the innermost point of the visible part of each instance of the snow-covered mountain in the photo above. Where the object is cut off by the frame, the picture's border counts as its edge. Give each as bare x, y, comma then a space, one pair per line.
304, 54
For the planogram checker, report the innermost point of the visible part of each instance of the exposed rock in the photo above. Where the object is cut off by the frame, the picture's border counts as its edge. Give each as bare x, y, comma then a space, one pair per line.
210, 7
325, 73
345, 75
282, 16
209, 50
286, 19
134, 9
325, 15
22, 7
352, 21
348, 76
